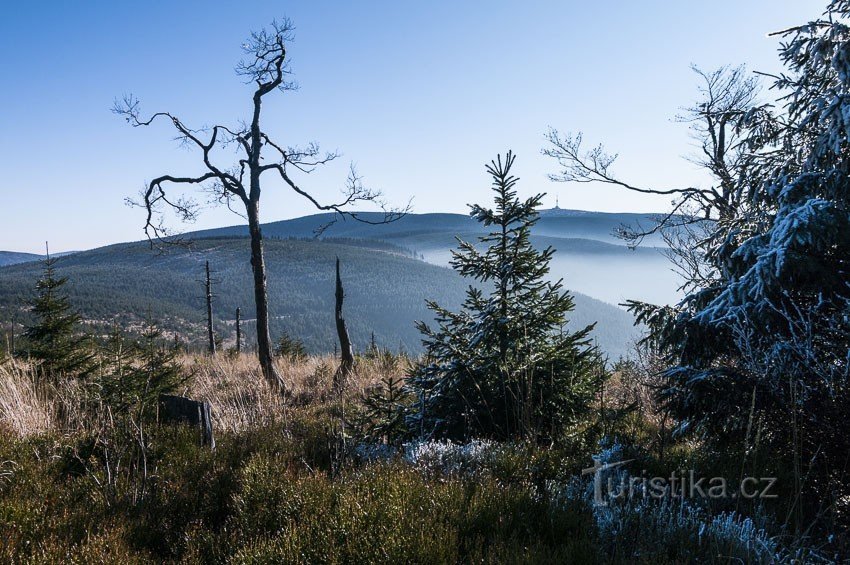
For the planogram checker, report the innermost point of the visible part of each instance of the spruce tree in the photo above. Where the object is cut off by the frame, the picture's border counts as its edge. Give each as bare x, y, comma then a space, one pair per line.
117, 360
504, 366
157, 370
384, 409
290, 348
132, 374
53, 338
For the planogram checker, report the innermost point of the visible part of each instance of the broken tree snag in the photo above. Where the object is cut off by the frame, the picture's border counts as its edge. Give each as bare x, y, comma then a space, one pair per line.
238, 330
182, 410
346, 352
210, 333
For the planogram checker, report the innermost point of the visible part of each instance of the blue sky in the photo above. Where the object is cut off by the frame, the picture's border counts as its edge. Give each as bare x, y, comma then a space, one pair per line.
418, 95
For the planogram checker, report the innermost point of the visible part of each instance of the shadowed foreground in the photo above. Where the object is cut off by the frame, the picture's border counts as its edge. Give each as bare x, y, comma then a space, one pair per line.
291, 482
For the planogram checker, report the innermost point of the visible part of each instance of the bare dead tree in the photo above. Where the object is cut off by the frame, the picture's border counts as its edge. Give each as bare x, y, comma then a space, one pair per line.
10, 337
347, 353
266, 67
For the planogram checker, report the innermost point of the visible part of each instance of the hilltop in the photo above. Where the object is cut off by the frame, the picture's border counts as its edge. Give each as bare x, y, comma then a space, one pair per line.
589, 257
13, 258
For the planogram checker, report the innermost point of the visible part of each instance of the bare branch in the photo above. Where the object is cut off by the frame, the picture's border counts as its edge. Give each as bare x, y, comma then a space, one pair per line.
634, 235
155, 196
583, 166
266, 64
353, 193
305, 160
227, 183
732, 131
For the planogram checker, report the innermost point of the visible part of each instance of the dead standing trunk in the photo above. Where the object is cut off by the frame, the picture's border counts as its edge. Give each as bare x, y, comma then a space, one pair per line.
347, 353
238, 330
258, 265
210, 332
258, 261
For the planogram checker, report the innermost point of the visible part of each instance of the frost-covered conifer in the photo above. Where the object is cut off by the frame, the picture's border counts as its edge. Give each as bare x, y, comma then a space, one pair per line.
764, 349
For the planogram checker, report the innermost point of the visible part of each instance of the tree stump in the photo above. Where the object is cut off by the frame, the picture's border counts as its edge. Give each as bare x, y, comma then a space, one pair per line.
182, 410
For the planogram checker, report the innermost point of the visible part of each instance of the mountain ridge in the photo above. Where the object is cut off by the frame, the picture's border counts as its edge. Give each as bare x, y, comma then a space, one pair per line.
589, 257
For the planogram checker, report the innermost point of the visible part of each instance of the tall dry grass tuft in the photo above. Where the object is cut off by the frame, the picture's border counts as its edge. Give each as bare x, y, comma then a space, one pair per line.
241, 398
23, 408
30, 405
234, 386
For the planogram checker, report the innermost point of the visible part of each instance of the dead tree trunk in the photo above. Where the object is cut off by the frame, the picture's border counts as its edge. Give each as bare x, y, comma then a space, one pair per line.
12, 348
261, 297
238, 330
347, 354
210, 333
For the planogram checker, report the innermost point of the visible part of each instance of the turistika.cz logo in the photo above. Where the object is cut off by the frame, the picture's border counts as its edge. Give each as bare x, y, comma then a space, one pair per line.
611, 482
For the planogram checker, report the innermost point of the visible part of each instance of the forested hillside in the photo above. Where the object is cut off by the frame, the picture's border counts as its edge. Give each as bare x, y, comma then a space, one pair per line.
385, 290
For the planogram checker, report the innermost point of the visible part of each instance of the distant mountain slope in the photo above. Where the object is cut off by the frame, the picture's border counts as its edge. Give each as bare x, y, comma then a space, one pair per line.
553, 222
385, 290
589, 258
13, 258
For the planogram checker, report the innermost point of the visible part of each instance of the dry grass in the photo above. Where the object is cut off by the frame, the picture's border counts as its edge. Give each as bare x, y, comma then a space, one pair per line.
233, 385
24, 405
30, 405
241, 398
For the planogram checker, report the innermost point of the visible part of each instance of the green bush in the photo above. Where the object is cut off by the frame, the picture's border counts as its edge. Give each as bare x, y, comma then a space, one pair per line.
262, 497
282, 494
392, 514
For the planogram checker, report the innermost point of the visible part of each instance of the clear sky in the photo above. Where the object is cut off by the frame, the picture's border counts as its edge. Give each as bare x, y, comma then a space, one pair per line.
418, 94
